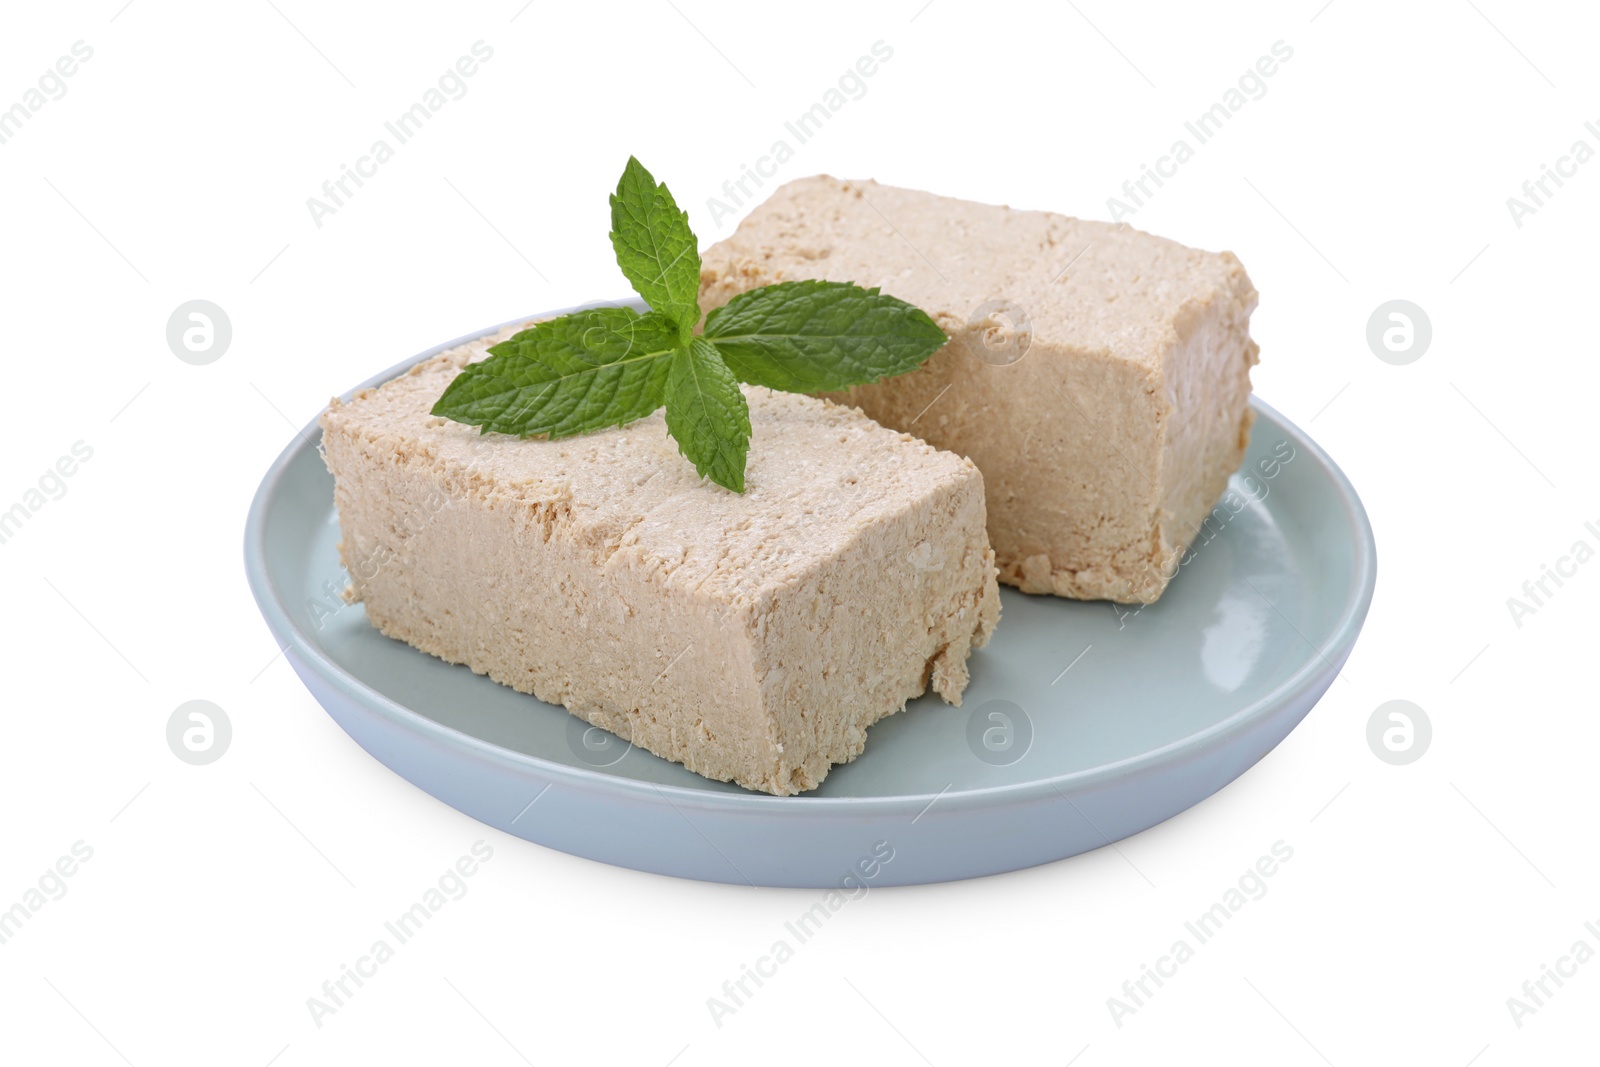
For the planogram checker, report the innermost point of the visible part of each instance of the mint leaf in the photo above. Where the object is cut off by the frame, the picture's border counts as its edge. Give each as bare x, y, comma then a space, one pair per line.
655, 247
812, 336
707, 414
582, 372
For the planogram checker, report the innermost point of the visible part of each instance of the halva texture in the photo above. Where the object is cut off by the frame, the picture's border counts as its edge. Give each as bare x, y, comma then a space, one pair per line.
1097, 375
752, 638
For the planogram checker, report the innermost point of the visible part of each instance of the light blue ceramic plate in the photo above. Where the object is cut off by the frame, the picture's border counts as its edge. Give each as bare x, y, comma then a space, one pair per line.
1084, 722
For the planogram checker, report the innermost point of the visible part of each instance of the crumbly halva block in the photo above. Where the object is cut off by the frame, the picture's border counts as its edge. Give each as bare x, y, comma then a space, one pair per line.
752, 638
1097, 375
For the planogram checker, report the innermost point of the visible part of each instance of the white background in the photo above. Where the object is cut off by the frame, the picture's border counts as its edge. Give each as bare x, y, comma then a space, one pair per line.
218, 898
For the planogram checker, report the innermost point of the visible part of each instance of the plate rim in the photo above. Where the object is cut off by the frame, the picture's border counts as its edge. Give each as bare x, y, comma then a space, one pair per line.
1306, 678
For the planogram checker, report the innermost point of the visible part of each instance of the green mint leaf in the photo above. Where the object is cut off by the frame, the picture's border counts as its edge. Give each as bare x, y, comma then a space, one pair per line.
813, 336
582, 372
707, 414
655, 247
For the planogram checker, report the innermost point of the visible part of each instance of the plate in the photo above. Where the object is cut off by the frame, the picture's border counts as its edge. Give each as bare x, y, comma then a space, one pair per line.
1084, 722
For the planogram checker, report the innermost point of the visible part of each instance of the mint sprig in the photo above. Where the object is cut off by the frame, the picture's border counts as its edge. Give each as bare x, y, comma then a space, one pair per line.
606, 367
